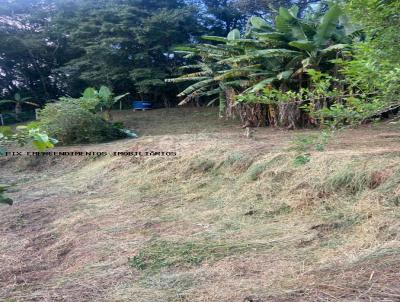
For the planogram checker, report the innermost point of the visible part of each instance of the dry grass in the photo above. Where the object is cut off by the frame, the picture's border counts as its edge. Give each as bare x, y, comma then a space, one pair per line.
175, 121
228, 220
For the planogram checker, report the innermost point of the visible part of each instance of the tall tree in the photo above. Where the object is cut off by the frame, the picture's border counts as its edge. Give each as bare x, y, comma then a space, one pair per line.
28, 53
221, 16
124, 44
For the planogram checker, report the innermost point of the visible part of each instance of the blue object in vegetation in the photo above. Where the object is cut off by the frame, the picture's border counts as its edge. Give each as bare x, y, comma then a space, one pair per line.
142, 105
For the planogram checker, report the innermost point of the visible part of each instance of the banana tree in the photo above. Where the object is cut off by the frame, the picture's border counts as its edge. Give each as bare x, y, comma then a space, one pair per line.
18, 101
317, 40
108, 100
293, 46
211, 76
278, 56
205, 76
104, 98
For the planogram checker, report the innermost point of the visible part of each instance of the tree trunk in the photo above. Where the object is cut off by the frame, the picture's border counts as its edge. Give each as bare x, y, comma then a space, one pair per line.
222, 104
109, 116
18, 109
166, 102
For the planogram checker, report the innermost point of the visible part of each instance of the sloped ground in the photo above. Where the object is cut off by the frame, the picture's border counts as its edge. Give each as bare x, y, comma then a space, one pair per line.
228, 219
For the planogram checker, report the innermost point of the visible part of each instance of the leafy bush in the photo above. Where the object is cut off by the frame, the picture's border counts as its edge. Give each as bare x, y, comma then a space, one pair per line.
71, 123
23, 135
96, 100
375, 67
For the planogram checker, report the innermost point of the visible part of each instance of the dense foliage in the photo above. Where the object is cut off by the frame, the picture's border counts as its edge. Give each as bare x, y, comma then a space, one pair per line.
269, 64
74, 121
305, 69
375, 67
282, 62
51, 48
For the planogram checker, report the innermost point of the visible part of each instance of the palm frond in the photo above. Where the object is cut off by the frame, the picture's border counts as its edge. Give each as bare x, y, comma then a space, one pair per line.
185, 79
195, 87
328, 24
335, 47
303, 45
214, 39
260, 85
259, 23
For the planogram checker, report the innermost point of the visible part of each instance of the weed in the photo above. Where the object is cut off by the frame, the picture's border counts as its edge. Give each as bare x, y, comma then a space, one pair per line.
138, 262
302, 159
303, 144
255, 170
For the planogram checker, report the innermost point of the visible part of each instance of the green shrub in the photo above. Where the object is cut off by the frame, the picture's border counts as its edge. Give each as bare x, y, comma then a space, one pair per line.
70, 123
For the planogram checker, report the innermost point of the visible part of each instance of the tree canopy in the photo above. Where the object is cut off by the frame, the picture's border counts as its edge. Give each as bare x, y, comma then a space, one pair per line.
51, 48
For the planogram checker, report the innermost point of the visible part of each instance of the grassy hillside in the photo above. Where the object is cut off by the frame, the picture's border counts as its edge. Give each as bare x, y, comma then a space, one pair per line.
228, 219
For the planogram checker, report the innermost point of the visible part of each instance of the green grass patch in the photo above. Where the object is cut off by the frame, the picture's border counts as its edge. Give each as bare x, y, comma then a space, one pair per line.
348, 179
302, 159
234, 158
166, 254
357, 179
256, 170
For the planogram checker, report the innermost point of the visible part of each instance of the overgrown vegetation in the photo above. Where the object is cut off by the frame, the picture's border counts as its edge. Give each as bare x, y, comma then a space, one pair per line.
70, 123
304, 70
285, 63
74, 121
22, 136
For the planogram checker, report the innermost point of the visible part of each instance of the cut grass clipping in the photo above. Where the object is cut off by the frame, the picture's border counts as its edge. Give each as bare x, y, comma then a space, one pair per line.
166, 254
